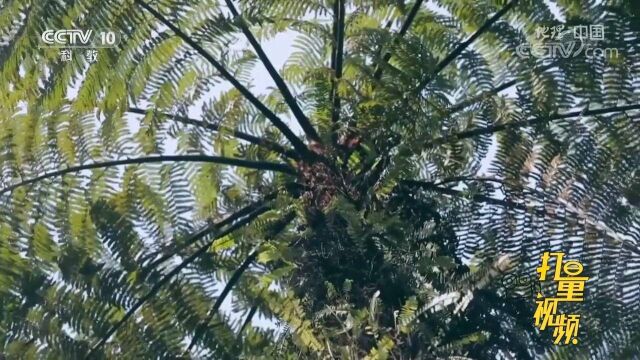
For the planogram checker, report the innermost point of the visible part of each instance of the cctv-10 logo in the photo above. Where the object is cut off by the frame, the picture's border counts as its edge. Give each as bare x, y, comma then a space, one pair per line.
79, 38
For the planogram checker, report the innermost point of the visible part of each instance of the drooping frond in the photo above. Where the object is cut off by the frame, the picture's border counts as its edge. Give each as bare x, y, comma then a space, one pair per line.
295, 141
465, 44
308, 128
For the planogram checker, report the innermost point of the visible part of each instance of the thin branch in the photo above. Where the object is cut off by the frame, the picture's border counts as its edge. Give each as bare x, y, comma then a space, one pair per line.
300, 147
235, 277
259, 165
195, 237
489, 93
271, 145
462, 46
247, 321
485, 95
334, 39
525, 123
282, 86
334, 82
339, 16
430, 186
403, 30
455, 179
223, 295
165, 279
387, 56
464, 178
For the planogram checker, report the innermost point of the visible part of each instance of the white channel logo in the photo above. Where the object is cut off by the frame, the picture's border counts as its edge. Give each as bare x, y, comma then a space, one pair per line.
79, 39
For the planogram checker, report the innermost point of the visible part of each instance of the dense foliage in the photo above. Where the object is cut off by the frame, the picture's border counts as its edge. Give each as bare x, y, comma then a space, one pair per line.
368, 204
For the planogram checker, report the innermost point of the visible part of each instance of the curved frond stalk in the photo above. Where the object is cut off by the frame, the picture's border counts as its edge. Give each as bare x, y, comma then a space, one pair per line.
508, 204
258, 165
193, 238
338, 51
291, 101
465, 44
403, 30
166, 278
489, 93
530, 122
247, 321
480, 97
271, 145
300, 147
223, 295
233, 280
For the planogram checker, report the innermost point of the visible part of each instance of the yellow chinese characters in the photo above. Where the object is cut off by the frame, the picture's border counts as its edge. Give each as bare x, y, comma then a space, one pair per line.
570, 288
